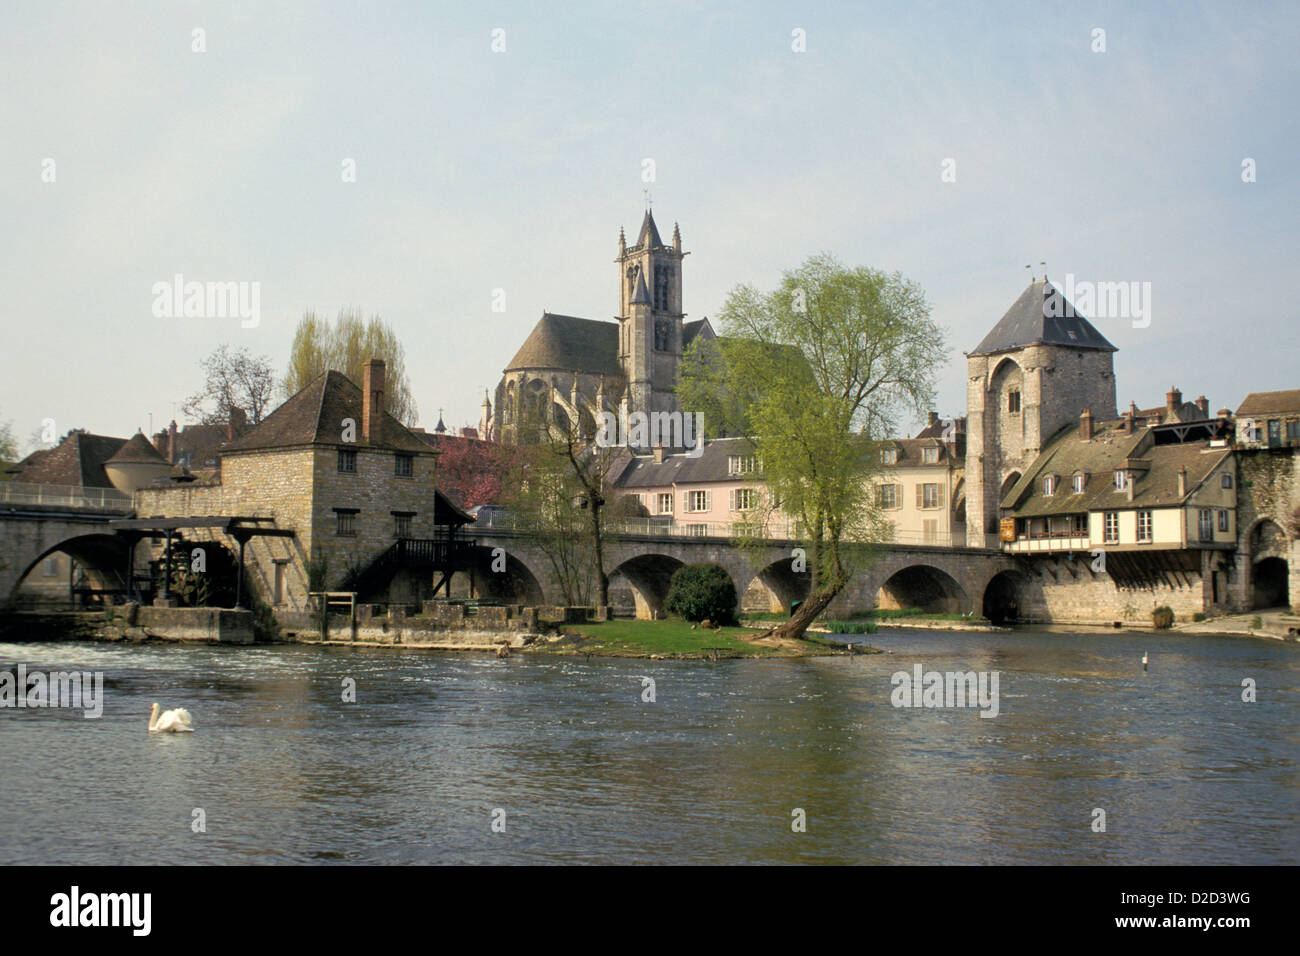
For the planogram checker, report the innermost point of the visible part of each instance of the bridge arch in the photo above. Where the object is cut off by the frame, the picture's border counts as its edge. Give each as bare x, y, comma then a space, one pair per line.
648, 577
1268, 550
1006, 597
775, 586
923, 586
103, 556
487, 577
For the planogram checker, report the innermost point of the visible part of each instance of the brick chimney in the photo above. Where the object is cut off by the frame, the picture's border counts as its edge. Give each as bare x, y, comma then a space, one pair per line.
934, 419
1128, 420
171, 442
659, 454
1182, 481
1203, 404
1085, 425
372, 402
1173, 402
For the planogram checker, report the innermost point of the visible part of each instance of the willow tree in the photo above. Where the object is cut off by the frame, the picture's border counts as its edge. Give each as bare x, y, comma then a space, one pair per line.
817, 372
345, 345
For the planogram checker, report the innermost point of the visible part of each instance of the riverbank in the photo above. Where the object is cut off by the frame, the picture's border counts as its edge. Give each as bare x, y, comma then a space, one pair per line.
680, 640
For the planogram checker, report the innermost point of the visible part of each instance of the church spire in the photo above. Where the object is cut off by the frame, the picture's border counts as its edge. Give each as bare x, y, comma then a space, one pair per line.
648, 238
642, 294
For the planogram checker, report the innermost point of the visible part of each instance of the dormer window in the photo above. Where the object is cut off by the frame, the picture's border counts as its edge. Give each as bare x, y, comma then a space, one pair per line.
1049, 486
1080, 480
889, 456
1121, 480
929, 456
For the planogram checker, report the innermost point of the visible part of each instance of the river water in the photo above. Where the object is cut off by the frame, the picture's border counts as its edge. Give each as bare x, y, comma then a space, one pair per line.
574, 766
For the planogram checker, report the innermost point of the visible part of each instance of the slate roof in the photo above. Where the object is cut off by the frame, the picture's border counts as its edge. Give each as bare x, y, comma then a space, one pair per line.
909, 453
642, 295
1067, 453
648, 231
78, 461
1042, 316
315, 415
138, 451
643, 471
691, 329
198, 446
1265, 403
572, 344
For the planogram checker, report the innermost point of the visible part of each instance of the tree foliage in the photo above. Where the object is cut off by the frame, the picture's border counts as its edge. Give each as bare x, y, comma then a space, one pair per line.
345, 346
702, 592
234, 378
8, 444
816, 372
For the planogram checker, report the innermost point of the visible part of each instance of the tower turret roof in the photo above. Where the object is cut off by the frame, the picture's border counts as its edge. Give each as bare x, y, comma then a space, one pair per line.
1042, 316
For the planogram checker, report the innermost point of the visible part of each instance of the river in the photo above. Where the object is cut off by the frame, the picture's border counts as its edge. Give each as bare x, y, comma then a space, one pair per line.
573, 765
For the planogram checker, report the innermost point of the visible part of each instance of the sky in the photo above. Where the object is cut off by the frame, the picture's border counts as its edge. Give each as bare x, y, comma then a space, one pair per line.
481, 169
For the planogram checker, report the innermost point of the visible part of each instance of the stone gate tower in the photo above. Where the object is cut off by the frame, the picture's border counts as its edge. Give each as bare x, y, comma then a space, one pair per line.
650, 317
1031, 376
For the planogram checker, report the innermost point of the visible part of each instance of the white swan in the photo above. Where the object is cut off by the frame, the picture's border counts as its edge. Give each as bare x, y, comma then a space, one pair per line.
175, 721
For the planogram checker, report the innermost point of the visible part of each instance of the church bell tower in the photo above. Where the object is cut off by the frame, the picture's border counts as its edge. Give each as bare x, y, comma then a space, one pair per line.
650, 317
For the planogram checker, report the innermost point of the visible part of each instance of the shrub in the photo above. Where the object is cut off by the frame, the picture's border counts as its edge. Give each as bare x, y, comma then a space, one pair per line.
701, 592
852, 627
1256, 622
1198, 616
1163, 617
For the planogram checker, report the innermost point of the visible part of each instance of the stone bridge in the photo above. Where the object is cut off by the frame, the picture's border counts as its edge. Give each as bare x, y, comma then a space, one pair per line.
953, 580
29, 533
639, 565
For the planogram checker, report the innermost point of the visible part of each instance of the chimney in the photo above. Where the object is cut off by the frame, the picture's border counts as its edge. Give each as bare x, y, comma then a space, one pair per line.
659, 454
372, 402
934, 419
1085, 425
1203, 404
235, 422
1223, 413
1173, 402
1182, 481
171, 442
1128, 421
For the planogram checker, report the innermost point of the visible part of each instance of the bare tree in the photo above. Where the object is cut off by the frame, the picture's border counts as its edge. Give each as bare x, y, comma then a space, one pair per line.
235, 379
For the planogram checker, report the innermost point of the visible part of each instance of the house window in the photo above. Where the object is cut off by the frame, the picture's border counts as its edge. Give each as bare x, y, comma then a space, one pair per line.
1205, 524
1049, 486
347, 460
404, 466
402, 523
1226, 481
887, 496
1144, 525
1223, 520
1274, 431
347, 522
697, 530
929, 456
742, 464
1079, 525
666, 504
1110, 527
744, 499
1080, 480
1293, 429
889, 456
927, 495
698, 501
1013, 401
51, 566
1121, 481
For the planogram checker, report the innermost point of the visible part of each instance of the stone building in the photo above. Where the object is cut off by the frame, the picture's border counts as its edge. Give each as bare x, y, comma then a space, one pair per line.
348, 478
1039, 366
572, 369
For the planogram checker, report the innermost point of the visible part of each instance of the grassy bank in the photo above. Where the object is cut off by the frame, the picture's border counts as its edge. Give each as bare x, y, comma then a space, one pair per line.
675, 639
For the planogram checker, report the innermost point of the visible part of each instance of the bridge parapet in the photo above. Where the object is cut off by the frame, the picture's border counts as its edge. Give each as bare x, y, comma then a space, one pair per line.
64, 496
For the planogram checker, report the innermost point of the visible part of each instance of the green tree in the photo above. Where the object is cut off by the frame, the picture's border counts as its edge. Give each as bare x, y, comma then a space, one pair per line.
816, 373
345, 346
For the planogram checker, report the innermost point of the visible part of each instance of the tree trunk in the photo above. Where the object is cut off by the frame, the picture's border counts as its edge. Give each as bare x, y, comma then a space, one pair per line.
807, 613
602, 579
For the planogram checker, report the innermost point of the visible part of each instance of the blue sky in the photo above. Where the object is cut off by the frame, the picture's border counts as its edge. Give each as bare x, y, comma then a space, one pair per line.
479, 170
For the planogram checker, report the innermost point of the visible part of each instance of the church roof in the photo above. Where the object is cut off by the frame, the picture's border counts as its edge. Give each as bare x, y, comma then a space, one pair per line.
692, 329
648, 231
1042, 316
314, 416
568, 343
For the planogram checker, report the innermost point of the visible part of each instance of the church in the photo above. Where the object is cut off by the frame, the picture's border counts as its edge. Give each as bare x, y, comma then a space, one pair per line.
569, 370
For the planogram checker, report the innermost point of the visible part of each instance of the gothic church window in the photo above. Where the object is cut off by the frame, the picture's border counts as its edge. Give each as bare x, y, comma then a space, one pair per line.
663, 335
